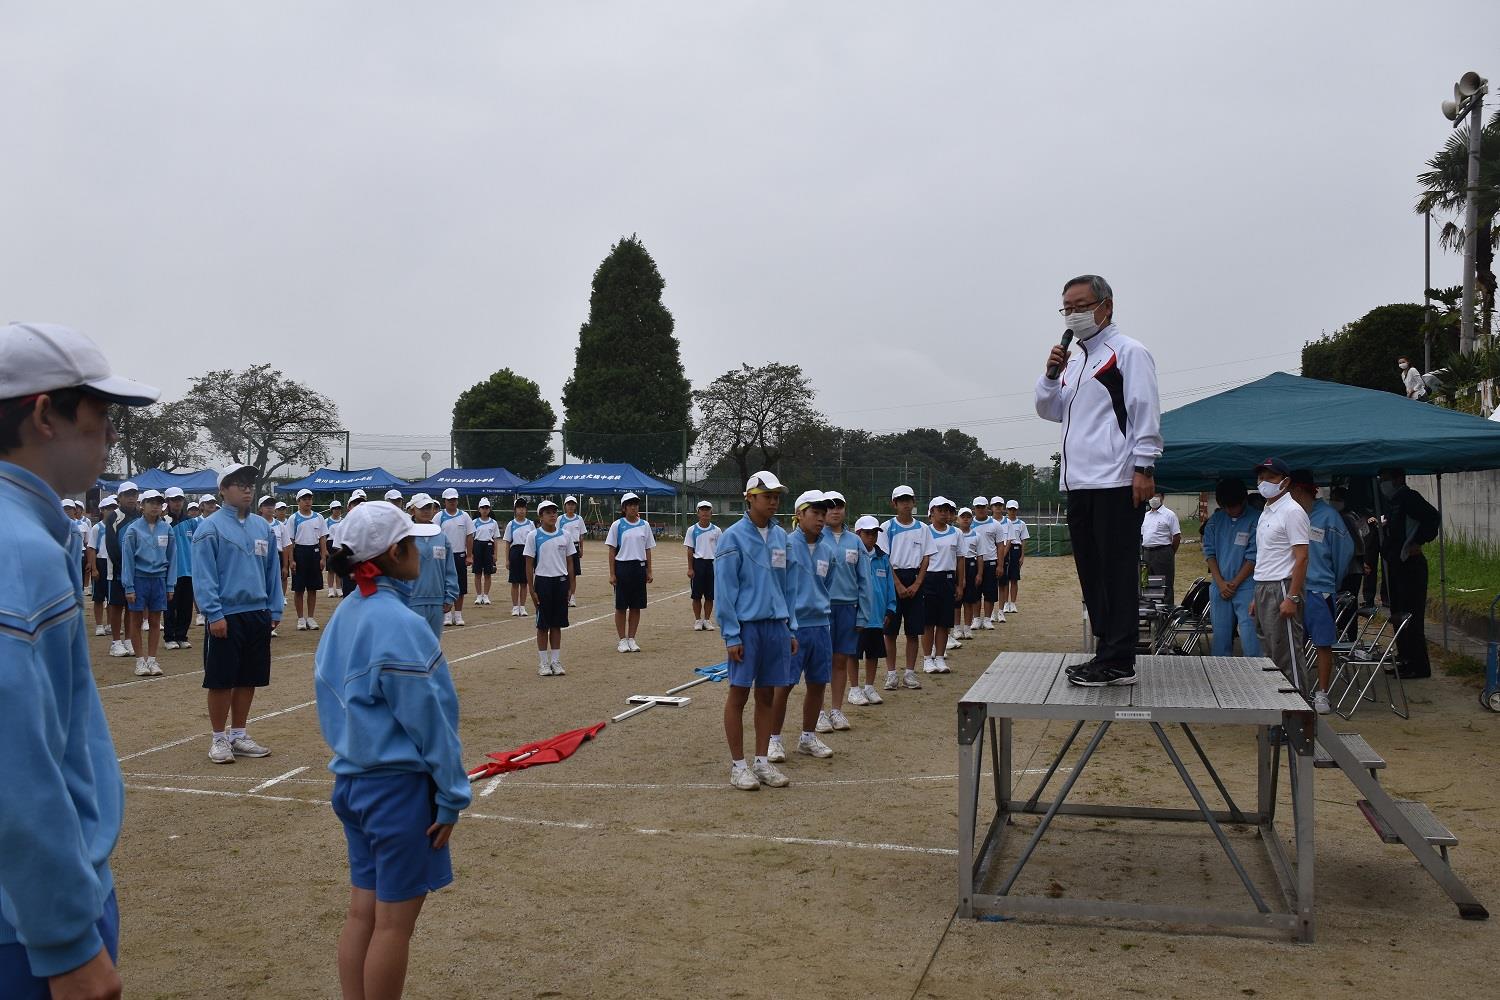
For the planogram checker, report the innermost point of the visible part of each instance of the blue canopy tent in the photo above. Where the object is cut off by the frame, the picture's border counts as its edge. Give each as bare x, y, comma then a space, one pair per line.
203, 481
615, 478
470, 482
342, 481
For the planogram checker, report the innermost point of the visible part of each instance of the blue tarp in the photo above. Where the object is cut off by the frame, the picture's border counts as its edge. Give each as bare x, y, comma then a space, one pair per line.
204, 481
470, 482
336, 481
599, 478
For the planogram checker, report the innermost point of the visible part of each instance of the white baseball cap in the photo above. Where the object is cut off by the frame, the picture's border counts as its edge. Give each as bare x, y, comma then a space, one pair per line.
192, 505
336, 503
173, 492
939, 501
231, 469
997, 500
980, 501
150, 495
69, 502
304, 493
371, 528
207, 498
834, 496
109, 501
281, 505
423, 500
624, 499
44, 357
903, 491
811, 498
570, 499
964, 510
705, 503
484, 501
867, 523
764, 482
544, 505
265, 500
358, 495
450, 494
127, 487
1012, 505
393, 494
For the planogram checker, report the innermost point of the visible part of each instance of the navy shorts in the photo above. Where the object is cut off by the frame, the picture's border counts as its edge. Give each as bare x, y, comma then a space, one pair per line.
516, 564
307, 574
702, 584
1013, 564
243, 657
813, 661
1317, 619
551, 602
116, 593
101, 589
630, 585
989, 588
484, 558
16, 980
385, 818
937, 597
461, 564
577, 563
767, 659
150, 594
909, 610
971, 584
872, 643
845, 634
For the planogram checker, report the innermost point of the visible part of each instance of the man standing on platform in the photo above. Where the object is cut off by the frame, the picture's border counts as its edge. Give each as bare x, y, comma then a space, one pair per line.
1107, 402
1409, 523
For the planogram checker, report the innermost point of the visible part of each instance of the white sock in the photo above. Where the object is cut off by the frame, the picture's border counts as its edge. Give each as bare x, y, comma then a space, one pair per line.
236, 734
556, 657
739, 765
762, 761
806, 736
221, 736
541, 657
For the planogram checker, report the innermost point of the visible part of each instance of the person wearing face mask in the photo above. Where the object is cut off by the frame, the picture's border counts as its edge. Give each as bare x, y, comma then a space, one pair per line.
1229, 548
1161, 535
1329, 549
1409, 523
1411, 379
1106, 399
1281, 537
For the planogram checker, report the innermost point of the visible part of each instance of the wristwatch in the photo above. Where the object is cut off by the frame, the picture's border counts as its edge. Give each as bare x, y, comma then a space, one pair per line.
1146, 470
1295, 598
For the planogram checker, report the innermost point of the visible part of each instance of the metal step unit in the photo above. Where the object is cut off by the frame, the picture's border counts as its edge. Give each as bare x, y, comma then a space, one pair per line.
1421, 817
1355, 744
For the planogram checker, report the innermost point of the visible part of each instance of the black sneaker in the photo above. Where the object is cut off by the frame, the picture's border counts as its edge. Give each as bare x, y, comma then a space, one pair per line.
1085, 665
1104, 675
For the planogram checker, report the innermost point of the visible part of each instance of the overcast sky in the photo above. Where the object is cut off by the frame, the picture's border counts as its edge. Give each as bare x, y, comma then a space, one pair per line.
392, 200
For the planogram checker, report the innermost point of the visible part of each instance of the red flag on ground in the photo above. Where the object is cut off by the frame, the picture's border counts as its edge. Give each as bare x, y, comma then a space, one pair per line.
548, 751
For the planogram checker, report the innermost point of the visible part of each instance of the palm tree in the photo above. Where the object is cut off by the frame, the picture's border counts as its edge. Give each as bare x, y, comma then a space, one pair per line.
1445, 191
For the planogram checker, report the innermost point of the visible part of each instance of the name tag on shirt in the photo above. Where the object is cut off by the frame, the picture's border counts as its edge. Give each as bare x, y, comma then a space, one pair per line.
161, 541
778, 558
1242, 538
261, 546
1316, 534
439, 552
822, 567
851, 557
880, 573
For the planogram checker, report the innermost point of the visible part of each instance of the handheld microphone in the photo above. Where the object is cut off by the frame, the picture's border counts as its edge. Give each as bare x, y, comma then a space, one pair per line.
1054, 370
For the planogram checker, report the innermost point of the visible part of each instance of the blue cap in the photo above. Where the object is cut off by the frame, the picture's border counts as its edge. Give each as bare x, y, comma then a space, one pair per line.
1275, 465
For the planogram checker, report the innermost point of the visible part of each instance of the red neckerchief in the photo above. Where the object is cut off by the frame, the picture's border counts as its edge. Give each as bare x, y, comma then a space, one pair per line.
364, 575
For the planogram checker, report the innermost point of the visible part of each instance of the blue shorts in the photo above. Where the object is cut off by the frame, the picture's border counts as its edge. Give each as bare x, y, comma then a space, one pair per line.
768, 655
813, 661
16, 980
150, 594
386, 817
845, 635
1317, 619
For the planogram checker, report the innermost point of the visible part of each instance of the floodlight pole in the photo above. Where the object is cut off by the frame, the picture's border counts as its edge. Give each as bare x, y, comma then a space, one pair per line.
1427, 297
1471, 224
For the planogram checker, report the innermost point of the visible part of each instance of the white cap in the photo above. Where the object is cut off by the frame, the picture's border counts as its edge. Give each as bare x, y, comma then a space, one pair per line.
231, 469
69, 502
127, 487
109, 501
544, 505
150, 495
206, 498
833, 496
964, 510
939, 501
281, 505
867, 523
623, 500
903, 491
811, 498
764, 482
705, 503
450, 494
265, 500
358, 495
192, 505
484, 501
393, 494
1012, 505
980, 501
570, 499
304, 493
423, 500
44, 357
336, 503
371, 528
997, 500
173, 492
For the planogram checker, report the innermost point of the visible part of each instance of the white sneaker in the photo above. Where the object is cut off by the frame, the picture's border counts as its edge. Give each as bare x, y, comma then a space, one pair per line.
184, 644
776, 753
953, 642
839, 719
141, 670
767, 774
892, 681
312, 624
1320, 703
698, 625
544, 670
246, 747
744, 779
170, 644
856, 696
986, 623
447, 618
975, 624
145, 625
814, 747
129, 648
940, 665
330, 592
998, 617
153, 666
708, 625
458, 618
557, 670
623, 647
929, 665
1011, 608
117, 648
301, 624
872, 696
911, 681
198, 620
633, 647
220, 752
101, 630
825, 725
275, 634
573, 603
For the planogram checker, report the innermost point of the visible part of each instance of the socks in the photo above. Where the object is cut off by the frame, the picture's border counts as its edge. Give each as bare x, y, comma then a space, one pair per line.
221, 736
541, 657
556, 657
762, 761
739, 765
806, 736
236, 734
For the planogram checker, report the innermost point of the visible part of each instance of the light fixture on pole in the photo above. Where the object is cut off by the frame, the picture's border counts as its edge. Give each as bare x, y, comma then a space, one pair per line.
1468, 98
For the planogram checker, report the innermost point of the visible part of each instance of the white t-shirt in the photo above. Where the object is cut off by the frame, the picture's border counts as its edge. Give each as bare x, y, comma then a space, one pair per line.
456, 529
984, 541
968, 543
96, 542
943, 556
550, 550
1015, 530
283, 532
1282, 524
630, 540
1158, 526
574, 526
486, 529
908, 544
307, 530
703, 541
515, 532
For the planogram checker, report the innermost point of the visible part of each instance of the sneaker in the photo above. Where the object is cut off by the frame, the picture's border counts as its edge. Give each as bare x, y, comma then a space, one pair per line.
330, 592
220, 752
1012, 609
911, 681
698, 625
544, 670
767, 774
129, 648
892, 681
312, 624
708, 625
839, 719
153, 666
301, 624
275, 634
776, 753
623, 647
557, 670
101, 630
198, 620
814, 747
141, 670
458, 618
929, 665
999, 618
184, 644
170, 644
940, 665
744, 779
145, 625
447, 618
825, 725
856, 696
976, 623
573, 603
1104, 675
246, 747
872, 697
633, 647
986, 623
117, 648
952, 643
1320, 703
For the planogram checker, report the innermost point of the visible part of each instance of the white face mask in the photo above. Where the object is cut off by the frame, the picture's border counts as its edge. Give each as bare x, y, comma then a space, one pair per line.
1155, 503
1403, 365
1268, 489
1082, 324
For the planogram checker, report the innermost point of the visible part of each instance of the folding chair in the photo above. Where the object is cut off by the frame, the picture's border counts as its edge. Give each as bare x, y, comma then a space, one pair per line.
1185, 628
1364, 664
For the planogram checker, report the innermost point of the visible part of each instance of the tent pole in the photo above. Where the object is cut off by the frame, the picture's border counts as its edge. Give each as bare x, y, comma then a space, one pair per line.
1442, 559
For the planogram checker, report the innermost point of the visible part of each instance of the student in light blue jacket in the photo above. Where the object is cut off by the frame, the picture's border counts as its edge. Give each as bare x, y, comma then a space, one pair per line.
387, 707
843, 591
145, 559
810, 559
1329, 549
434, 591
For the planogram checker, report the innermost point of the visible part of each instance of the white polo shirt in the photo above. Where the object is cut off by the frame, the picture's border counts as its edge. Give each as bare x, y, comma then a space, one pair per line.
574, 526
486, 529
516, 532
551, 550
456, 529
943, 556
1282, 524
968, 543
630, 540
1159, 526
984, 541
908, 544
703, 541
307, 530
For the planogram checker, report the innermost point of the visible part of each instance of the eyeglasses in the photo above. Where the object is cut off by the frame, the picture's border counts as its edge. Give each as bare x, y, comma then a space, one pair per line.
1086, 307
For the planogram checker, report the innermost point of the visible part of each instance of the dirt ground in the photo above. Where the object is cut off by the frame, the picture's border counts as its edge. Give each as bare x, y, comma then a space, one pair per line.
633, 869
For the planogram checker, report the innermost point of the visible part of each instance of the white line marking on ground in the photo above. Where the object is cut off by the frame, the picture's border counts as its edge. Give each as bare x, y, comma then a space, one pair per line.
277, 780
199, 736
490, 786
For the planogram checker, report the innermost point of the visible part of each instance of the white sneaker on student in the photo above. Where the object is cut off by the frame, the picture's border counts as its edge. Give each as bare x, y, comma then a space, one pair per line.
634, 648
986, 623
129, 648
557, 670
275, 634
312, 624
744, 779
776, 753
1320, 703
856, 696
999, 617
573, 603
911, 681
768, 774
892, 681
940, 665
458, 618
141, 670
1011, 609
301, 624
170, 644
116, 648
697, 624
330, 592
975, 623
929, 665
953, 642
153, 666
447, 618
220, 752
244, 746
145, 624
184, 644
708, 624
544, 669
872, 696
825, 725
198, 620
839, 719
623, 647
101, 630
813, 747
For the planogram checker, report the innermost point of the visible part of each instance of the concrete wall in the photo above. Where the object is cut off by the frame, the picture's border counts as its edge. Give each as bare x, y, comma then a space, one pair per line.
1471, 504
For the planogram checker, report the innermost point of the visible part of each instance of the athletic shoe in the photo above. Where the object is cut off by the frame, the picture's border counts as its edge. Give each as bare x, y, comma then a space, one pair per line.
911, 681
872, 696
246, 747
999, 618
1104, 675
744, 779
1320, 703
458, 618
184, 644
975, 623
929, 665
825, 725
141, 670
145, 625
953, 643
839, 719
312, 624
557, 670
986, 623
634, 648
1011, 609
856, 696
117, 648
330, 592
698, 625
708, 625
892, 681
623, 647
275, 634
447, 618
198, 620
129, 647
301, 624
767, 774
220, 752
101, 630
776, 753
814, 747
544, 670
170, 644
940, 665
573, 603
1085, 665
